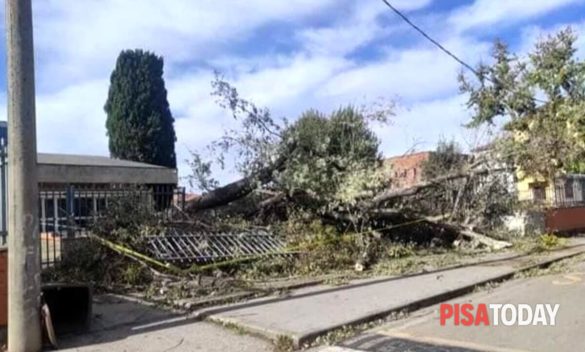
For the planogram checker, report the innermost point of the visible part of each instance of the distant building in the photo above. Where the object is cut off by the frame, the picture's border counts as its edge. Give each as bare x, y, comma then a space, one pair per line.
79, 185
406, 170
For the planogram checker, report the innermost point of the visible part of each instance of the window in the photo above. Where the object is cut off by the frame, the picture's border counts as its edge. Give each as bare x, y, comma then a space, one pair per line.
101, 204
62, 207
538, 191
83, 206
569, 189
49, 208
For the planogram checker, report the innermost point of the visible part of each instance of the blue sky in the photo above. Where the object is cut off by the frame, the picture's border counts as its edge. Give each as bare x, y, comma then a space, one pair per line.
289, 55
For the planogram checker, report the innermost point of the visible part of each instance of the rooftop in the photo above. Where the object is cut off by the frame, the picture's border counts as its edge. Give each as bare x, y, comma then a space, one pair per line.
410, 155
91, 169
90, 160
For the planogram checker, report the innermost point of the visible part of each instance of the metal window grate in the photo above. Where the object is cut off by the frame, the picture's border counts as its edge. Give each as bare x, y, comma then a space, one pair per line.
183, 247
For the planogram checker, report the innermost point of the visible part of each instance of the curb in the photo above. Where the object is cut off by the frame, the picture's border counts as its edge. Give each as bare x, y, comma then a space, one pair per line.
299, 340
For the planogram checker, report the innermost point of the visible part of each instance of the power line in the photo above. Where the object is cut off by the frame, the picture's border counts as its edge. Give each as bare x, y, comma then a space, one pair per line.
445, 50
436, 43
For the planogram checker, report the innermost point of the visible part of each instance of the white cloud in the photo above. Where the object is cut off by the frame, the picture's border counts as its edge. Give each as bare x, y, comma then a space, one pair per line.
414, 74
355, 30
80, 39
484, 13
288, 84
72, 120
421, 126
78, 42
532, 34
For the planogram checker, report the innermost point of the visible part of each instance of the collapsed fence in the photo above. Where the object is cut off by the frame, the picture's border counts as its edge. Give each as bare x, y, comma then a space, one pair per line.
185, 248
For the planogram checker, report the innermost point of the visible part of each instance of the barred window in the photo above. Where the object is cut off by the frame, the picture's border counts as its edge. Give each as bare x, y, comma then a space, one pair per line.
569, 189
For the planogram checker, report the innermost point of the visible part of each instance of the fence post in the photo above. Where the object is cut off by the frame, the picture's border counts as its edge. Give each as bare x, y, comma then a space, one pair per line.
69, 201
183, 198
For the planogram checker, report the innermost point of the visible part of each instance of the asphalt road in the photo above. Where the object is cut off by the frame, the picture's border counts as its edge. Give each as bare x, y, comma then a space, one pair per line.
423, 332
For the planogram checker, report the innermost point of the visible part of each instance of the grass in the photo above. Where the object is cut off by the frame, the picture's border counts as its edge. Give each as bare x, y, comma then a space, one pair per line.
283, 343
558, 267
422, 261
348, 331
538, 244
236, 328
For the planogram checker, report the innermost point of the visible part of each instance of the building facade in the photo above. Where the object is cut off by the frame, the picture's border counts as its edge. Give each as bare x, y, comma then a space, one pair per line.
406, 170
77, 187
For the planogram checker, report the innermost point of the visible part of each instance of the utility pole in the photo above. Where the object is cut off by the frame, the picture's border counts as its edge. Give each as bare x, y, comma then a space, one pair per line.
24, 281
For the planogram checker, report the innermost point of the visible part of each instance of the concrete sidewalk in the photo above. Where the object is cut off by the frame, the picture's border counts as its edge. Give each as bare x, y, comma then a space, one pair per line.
422, 330
122, 324
311, 312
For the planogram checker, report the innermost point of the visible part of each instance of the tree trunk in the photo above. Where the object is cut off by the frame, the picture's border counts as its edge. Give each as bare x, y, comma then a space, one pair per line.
235, 190
469, 234
391, 194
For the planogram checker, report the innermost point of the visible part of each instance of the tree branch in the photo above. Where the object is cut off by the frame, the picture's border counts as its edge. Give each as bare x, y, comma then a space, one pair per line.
237, 189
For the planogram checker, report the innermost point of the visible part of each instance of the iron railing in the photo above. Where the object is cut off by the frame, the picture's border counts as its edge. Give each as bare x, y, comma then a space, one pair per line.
184, 248
67, 215
564, 192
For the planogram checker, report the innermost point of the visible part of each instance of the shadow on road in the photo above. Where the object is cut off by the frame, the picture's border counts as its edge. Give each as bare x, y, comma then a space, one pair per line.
117, 317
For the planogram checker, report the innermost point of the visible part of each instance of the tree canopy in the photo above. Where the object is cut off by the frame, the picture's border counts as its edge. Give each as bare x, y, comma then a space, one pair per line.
327, 158
541, 100
447, 158
139, 121
326, 153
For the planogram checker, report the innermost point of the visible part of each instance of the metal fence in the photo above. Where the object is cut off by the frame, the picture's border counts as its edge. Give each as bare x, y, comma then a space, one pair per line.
564, 192
67, 215
182, 247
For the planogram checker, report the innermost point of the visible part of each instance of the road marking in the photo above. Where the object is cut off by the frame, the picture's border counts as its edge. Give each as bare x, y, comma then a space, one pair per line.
449, 342
570, 279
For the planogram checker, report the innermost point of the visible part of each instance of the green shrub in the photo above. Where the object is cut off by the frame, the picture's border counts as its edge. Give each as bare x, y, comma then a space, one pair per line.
549, 241
86, 261
399, 250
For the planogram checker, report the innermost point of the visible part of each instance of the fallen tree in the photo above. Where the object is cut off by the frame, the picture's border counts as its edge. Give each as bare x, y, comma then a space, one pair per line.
470, 234
328, 168
235, 190
390, 194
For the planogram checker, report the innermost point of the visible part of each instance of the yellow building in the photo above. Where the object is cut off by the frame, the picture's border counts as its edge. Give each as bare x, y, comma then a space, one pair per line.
565, 190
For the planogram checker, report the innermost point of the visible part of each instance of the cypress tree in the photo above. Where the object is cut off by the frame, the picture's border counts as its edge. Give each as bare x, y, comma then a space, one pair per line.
139, 121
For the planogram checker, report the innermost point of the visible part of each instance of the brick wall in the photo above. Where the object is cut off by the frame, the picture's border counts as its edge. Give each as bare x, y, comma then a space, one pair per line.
406, 170
3, 287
